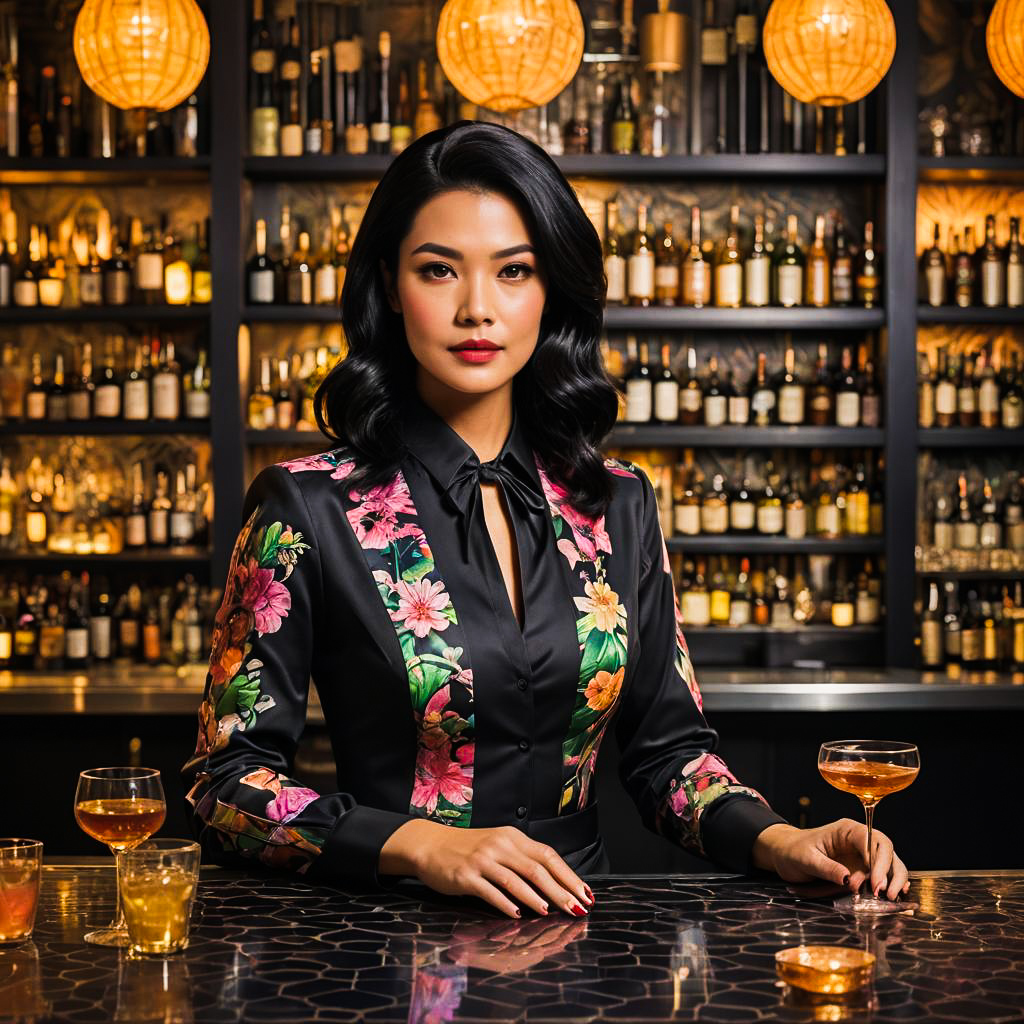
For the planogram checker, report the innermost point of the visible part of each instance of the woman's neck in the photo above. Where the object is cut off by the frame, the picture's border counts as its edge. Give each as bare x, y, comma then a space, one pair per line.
482, 421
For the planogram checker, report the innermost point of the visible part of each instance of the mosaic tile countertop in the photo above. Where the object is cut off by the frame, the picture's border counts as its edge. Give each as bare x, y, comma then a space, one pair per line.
654, 948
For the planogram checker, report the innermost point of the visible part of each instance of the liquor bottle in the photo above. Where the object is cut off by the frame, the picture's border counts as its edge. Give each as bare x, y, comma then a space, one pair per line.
26, 284
641, 265
1014, 267
791, 392
182, 517
932, 653
159, 515
742, 508
666, 390
314, 134
614, 261
117, 275
871, 399
715, 401
380, 126
299, 274
6, 272
966, 529
656, 124
967, 395
988, 393
714, 509
166, 387
819, 271
10, 498
740, 606
934, 273
57, 393
842, 268
427, 118
80, 398
993, 269
177, 274
135, 523
925, 392
197, 389
762, 394
202, 275
623, 126
576, 134
770, 515
963, 271
789, 267
100, 622
868, 283
714, 59
325, 280
35, 395
289, 74
821, 400
696, 271
739, 402
848, 393
264, 120
639, 389
990, 529
666, 268
696, 598
945, 391
691, 393
261, 402
107, 396
261, 270
149, 270
729, 267
135, 399
686, 498
76, 632
284, 401
757, 269
1011, 403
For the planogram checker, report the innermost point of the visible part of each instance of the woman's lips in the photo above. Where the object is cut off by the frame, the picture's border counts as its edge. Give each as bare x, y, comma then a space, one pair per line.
475, 355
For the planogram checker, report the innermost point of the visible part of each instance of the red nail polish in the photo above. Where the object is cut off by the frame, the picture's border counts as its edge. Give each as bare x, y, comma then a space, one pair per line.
586, 889
846, 880
575, 908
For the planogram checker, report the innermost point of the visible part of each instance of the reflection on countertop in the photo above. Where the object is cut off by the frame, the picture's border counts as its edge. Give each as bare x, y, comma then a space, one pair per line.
654, 948
136, 689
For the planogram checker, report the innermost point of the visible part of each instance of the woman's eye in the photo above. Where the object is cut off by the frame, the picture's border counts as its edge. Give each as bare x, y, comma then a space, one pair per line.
428, 270
526, 269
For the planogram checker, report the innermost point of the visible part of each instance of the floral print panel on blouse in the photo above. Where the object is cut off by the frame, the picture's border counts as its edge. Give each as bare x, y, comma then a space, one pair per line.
440, 705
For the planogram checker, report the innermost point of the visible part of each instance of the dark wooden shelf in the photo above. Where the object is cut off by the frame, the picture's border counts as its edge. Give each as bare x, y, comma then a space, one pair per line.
273, 314
598, 165
990, 575
306, 438
756, 544
971, 168
969, 437
772, 647
115, 171
105, 314
767, 318
104, 428
970, 314
652, 435
169, 556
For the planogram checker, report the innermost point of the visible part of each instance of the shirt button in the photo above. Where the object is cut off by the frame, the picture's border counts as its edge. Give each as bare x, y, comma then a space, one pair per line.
520, 812
521, 683
524, 744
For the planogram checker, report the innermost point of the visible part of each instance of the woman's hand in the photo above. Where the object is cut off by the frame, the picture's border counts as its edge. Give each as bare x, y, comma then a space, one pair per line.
492, 863
504, 947
834, 852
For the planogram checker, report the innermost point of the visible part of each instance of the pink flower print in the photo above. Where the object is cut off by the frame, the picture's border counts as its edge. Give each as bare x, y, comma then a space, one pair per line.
613, 466
568, 549
269, 600
420, 605
343, 469
389, 499
590, 535
432, 735
307, 463
380, 533
438, 775
711, 765
290, 802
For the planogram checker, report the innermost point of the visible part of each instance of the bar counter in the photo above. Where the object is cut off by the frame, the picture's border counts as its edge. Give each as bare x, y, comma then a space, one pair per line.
655, 947
163, 691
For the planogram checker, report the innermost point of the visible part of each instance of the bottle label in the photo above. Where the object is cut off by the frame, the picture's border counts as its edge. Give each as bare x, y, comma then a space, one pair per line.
615, 271
76, 644
380, 131
847, 409
99, 628
666, 401
756, 279
314, 139
326, 285
936, 279
729, 284
715, 410
739, 409
666, 277
763, 402
993, 283
943, 535
6, 522
990, 535
638, 401
197, 404
135, 531
1011, 409
149, 271
926, 405
867, 608
641, 275
181, 527
954, 643
931, 643
966, 535
1015, 284
720, 606
945, 398
158, 522
1015, 536
166, 404
842, 614
818, 283
51, 642
78, 405
696, 608
291, 140
264, 126
136, 400
739, 612
790, 283
261, 286
129, 633
741, 515
988, 398
90, 289
300, 289
690, 399
687, 520
194, 642
116, 287
827, 520
971, 645
791, 403
697, 283
35, 405
770, 519
714, 518
796, 523
26, 293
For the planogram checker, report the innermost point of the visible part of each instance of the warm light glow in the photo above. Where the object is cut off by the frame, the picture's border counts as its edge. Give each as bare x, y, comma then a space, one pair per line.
1004, 38
830, 52
510, 54
142, 54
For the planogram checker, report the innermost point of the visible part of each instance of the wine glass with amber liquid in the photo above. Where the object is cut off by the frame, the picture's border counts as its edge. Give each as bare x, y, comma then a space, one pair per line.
121, 807
869, 769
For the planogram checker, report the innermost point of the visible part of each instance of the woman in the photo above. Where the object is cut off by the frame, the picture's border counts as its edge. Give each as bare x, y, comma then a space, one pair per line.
477, 592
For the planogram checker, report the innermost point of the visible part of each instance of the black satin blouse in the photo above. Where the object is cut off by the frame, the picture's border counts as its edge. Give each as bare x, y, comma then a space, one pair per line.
437, 703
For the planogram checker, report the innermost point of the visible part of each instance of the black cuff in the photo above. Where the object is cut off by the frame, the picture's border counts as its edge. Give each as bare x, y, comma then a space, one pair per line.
352, 850
729, 827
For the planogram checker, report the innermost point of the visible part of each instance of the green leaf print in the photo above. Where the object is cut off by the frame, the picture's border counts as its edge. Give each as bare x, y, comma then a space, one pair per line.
268, 548
418, 570
239, 697
425, 680
602, 651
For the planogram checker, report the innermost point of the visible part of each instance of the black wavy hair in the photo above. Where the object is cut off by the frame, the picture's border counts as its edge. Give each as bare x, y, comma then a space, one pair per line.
565, 398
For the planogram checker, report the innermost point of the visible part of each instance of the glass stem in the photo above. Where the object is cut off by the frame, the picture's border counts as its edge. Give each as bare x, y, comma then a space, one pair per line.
869, 816
118, 924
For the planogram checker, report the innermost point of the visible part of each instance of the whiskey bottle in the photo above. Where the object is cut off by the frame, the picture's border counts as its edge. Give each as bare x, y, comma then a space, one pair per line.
789, 267
819, 272
641, 266
614, 261
696, 271
261, 270
934, 273
261, 401
1014, 267
925, 392
666, 268
848, 393
691, 393
264, 121
993, 270
729, 267
868, 284
107, 396
757, 269
821, 403
666, 390
945, 392
80, 399
289, 74
963, 271
842, 268
380, 126
762, 397
791, 392
714, 400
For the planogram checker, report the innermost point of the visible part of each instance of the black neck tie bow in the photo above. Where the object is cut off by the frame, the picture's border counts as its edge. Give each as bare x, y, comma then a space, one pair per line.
464, 490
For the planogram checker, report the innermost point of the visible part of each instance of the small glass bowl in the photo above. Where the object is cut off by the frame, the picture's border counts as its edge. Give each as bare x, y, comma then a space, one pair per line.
832, 970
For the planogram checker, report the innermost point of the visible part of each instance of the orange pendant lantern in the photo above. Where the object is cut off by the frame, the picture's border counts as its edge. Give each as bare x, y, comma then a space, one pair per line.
1004, 38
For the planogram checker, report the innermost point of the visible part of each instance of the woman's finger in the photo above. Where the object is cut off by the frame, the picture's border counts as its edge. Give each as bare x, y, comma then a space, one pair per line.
493, 895
899, 882
882, 861
513, 874
566, 889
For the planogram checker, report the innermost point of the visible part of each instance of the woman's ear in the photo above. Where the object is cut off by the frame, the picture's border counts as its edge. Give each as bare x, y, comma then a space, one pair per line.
389, 289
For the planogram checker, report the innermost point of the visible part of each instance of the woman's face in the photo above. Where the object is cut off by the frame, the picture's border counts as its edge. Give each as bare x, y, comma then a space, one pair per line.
467, 270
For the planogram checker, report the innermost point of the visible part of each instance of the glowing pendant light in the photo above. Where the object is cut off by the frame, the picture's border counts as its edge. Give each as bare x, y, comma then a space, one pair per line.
830, 52
510, 54
142, 54
1004, 38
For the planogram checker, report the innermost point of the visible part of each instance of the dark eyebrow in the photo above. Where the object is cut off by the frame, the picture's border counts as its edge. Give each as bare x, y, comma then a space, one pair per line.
454, 254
